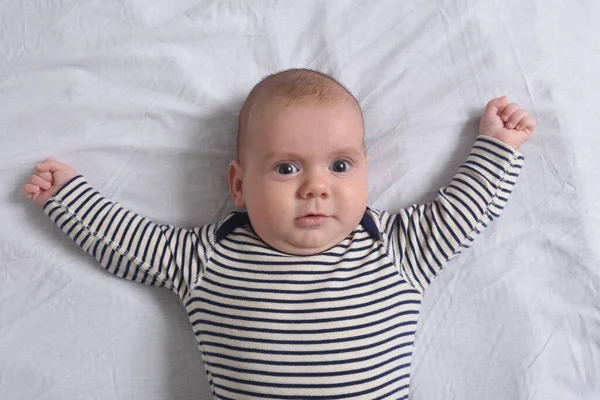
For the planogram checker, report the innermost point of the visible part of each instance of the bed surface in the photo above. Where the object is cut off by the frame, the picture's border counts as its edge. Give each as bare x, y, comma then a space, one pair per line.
142, 99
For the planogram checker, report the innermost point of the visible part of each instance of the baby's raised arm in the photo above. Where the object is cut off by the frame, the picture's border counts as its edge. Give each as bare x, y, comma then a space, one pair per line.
125, 244
425, 237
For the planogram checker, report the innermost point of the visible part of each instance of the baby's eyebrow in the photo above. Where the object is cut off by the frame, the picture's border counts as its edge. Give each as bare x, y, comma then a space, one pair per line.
351, 152
274, 154
348, 151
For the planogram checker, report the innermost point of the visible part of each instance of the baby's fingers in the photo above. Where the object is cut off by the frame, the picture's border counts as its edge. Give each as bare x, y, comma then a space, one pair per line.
32, 192
40, 182
496, 105
516, 118
45, 175
527, 124
29, 189
508, 111
50, 165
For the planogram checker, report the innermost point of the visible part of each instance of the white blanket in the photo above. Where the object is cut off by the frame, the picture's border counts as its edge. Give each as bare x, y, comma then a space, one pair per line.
141, 97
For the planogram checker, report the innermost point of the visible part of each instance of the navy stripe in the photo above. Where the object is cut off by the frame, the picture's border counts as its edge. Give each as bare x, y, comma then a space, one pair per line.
100, 225
137, 249
313, 386
184, 265
73, 190
425, 236
157, 234
131, 243
475, 185
295, 262
488, 160
483, 167
415, 250
301, 282
485, 149
297, 291
92, 219
282, 301
192, 254
504, 149
449, 215
410, 273
68, 221
468, 196
312, 352
122, 235
394, 391
168, 253
313, 363
311, 321
482, 177
161, 260
341, 339
469, 209
270, 254
434, 237
239, 328
311, 374
172, 264
85, 197
150, 236
434, 208
203, 244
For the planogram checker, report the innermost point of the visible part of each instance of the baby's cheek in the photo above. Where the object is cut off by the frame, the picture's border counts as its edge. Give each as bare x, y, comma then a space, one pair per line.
274, 199
356, 190
354, 197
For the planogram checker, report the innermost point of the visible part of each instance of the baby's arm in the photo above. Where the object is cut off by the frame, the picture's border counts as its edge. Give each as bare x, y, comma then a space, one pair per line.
124, 243
425, 237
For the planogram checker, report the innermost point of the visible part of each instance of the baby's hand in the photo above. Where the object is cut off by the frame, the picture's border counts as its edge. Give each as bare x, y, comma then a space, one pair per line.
51, 175
506, 122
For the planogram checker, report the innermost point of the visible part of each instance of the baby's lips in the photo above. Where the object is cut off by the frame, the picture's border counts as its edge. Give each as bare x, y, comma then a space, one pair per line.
313, 214
311, 220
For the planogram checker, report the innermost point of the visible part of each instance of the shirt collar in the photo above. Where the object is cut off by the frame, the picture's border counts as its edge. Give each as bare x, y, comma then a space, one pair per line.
238, 219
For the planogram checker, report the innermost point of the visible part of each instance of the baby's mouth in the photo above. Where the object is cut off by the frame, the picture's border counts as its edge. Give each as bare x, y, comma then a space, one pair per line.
311, 219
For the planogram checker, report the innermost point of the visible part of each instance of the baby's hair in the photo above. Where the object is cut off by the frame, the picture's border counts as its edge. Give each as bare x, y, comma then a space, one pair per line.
294, 86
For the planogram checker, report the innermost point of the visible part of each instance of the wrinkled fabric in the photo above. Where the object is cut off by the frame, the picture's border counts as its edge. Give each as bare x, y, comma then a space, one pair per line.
142, 99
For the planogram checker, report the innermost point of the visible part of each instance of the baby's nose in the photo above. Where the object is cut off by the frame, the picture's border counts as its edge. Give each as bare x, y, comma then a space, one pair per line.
314, 187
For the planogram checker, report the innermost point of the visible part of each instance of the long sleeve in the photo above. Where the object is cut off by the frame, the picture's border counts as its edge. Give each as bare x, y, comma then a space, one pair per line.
423, 238
127, 245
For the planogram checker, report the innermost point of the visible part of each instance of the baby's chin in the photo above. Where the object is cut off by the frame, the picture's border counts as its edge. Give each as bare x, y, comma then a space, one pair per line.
308, 244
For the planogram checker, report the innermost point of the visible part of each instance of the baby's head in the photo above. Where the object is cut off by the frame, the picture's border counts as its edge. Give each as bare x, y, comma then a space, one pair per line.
301, 168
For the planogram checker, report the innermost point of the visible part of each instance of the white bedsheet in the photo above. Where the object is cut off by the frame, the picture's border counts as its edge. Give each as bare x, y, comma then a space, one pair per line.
141, 97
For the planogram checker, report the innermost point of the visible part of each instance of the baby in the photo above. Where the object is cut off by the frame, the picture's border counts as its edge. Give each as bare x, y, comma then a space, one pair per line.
309, 294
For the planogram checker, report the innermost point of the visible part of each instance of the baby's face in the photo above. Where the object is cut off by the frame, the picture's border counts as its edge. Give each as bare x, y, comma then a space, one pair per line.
304, 175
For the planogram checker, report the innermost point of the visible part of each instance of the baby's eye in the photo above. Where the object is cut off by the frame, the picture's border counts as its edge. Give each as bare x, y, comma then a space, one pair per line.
286, 169
340, 166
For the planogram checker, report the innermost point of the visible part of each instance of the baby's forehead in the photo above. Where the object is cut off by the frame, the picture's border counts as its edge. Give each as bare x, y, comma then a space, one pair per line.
316, 128
278, 106
283, 112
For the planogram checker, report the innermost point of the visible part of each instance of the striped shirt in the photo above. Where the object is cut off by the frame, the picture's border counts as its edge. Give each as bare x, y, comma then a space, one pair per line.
269, 325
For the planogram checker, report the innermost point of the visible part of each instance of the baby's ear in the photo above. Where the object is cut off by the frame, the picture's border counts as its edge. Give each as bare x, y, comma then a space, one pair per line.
235, 178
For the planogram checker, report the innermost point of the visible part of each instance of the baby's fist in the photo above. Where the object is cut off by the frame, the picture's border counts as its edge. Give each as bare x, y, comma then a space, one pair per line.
51, 175
506, 122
